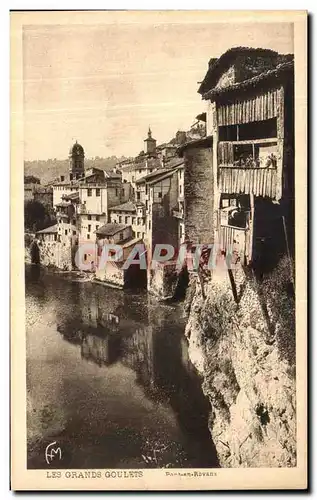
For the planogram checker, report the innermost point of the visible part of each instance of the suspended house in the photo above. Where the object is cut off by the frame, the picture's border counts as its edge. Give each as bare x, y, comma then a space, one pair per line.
250, 96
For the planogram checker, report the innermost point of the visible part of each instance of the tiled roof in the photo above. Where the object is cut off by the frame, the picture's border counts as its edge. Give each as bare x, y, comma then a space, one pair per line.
48, 230
204, 142
152, 175
71, 196
129, 206
110, 229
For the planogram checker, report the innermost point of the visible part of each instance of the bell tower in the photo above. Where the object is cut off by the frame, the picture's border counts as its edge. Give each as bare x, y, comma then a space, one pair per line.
149, 143
76, 161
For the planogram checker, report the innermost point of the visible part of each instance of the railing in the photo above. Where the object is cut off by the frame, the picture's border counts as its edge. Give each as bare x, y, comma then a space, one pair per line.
242, 180
234, 240
178, 214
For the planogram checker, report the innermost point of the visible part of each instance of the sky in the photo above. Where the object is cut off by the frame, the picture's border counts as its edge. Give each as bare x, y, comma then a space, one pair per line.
104, 85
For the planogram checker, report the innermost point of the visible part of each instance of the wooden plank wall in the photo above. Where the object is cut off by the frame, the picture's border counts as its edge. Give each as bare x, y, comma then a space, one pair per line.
251, 109
233, 240
257, 181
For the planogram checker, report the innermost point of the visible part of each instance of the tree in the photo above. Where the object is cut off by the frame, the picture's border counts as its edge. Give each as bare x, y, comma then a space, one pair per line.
31, 179
37, 216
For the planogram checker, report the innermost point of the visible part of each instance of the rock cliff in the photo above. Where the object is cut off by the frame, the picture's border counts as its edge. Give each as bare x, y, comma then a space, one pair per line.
246, 354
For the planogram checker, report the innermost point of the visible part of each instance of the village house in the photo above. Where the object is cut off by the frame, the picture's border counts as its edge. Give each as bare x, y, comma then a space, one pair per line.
113, 272
239, 179
54, 249
131, 213
95, 191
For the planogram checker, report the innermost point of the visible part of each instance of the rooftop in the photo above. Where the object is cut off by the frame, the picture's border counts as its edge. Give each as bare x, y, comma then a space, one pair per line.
131, 242
271, 77
129, 206
218, 65
71, 196
110, 229
62, 204
204, 142
152, 175
48, 230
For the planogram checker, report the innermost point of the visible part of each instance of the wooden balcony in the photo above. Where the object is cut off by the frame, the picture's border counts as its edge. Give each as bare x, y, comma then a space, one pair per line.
235, 240
242, 180
178, 214
249, 167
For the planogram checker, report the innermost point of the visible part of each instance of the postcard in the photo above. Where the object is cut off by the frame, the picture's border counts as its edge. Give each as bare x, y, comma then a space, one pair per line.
158, 250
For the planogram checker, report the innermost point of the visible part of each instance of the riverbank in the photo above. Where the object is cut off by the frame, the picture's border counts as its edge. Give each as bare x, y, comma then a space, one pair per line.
246, 355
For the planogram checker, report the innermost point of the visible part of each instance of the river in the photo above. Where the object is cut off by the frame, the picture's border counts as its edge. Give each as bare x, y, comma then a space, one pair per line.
109, 379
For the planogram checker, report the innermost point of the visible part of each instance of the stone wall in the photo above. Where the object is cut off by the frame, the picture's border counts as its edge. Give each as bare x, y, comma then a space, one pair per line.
56, 254
112, 274
199, 194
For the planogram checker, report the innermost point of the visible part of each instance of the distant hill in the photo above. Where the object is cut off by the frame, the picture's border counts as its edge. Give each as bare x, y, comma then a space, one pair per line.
48, 170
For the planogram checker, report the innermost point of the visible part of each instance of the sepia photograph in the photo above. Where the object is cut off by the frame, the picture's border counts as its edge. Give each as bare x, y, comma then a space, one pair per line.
155, 197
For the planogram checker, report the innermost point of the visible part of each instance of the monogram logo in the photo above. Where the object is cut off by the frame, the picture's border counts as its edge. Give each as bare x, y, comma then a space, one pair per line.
51, 453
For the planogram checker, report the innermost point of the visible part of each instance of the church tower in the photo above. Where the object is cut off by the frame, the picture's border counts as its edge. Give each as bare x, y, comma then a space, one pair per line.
76, 161
149, 143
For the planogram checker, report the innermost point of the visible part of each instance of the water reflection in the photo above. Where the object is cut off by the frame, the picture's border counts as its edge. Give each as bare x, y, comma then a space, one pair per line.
133, 334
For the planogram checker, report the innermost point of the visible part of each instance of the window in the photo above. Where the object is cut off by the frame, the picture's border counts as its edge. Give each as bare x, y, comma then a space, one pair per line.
138, 195
180, 189
159, 194
65, 232
149, 224
139, 235
116, 192
88, 236
89, 217
120, 236
97, 217
74, 233
74, 221
140, 171
97, 227
249, 131
97, 192
126, 219
89, 192
89, 228
85, 256
133, 220
120, 219
55, 237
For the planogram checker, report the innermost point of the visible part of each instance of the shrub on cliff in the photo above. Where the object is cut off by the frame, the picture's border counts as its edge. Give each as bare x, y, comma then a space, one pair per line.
278, 291
217, 315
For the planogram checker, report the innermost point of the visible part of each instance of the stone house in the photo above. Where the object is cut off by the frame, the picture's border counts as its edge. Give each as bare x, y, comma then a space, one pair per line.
130, 213
113, 272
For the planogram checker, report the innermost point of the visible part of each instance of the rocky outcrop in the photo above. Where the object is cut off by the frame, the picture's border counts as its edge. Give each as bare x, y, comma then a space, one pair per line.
245, 354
